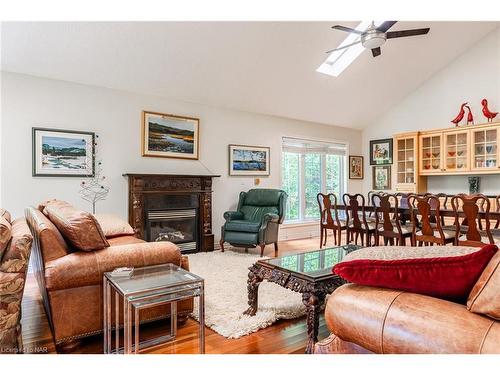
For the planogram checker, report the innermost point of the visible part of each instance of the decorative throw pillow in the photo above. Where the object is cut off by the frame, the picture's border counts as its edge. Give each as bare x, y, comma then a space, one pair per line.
5, 234
114, 226
78, 227
447, 272
485, 296
5, 214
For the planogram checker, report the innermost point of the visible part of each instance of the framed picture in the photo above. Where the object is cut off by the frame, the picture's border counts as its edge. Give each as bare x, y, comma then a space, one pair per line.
170, 136
381, 151
355, 167
59, 152
248, 160
381, 177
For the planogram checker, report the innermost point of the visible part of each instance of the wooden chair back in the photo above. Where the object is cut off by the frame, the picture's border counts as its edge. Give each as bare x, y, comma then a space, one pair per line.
354, 206
386, 208
328, 203
471, 205
426, 231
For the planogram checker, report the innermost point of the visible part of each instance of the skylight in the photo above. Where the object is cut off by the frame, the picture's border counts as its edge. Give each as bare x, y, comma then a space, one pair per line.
337, 61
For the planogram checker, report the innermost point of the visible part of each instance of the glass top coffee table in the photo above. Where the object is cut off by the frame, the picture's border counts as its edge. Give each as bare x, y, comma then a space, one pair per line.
145, 288
308, 273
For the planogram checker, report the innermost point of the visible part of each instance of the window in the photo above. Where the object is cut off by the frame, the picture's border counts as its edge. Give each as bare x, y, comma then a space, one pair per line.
308, 168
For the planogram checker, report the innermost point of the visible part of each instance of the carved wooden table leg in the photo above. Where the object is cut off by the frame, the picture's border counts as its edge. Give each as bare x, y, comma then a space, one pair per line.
253, 283
313, 302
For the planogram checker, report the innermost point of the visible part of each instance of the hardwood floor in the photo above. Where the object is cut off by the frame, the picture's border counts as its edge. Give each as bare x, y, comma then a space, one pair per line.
285, 336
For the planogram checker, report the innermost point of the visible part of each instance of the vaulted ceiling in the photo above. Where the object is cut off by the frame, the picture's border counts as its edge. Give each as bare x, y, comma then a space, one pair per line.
263, 67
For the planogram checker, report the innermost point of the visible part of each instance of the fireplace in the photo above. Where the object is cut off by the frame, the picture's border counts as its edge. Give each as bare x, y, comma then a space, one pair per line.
173, 218
175, 208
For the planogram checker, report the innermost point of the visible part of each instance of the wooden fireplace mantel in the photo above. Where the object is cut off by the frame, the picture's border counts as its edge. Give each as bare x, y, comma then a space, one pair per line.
140, 186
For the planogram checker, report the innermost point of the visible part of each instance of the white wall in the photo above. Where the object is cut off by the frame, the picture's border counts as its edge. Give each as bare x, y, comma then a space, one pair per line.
471, 77
116, 117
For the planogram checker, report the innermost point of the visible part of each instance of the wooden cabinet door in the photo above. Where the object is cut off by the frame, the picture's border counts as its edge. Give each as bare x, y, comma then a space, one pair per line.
456, 151
406, 163
484, 149
431, 154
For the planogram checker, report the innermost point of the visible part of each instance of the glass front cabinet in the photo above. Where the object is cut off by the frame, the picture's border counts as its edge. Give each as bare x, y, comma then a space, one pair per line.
431, 155
456, 151
484, 150
465, 150
406, 163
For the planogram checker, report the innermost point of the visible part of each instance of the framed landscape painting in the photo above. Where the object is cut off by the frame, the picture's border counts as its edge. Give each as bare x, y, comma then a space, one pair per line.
169, 136
381, 177
355, 167
381, 151
248, 160
63, 153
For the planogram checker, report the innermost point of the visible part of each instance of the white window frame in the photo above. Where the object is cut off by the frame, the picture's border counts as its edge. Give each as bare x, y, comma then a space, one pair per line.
342, 177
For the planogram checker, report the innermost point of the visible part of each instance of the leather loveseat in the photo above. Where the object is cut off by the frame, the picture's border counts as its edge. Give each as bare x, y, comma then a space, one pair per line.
366, 319
70, 281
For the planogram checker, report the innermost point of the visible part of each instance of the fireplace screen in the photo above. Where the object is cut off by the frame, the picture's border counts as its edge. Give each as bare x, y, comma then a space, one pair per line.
177, 226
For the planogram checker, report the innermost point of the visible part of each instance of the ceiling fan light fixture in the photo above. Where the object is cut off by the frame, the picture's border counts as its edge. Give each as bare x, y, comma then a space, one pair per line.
338, 61
373, 39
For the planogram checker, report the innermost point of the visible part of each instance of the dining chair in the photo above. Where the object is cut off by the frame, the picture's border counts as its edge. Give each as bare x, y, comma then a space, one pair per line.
357, 223
472, 233
424, 232
442, 202
388, 221
370, 216
328, 203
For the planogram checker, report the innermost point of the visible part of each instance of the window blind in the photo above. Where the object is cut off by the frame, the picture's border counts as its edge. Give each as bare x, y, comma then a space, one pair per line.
304, 146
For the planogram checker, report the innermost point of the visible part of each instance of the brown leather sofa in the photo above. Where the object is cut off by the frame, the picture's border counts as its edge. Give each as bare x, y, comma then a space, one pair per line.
70, 281
375, 320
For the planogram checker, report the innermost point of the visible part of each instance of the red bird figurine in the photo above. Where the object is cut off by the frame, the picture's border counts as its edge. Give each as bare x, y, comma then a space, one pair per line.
487, 113
460, 115
470, 118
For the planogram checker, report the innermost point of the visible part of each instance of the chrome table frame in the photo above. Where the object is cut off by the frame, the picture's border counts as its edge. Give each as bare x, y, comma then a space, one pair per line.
133, 303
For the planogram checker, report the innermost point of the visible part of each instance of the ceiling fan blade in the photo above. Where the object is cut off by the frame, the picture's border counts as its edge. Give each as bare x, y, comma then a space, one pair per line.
346, 29
376, 51
343, 47
405, 33
386, 26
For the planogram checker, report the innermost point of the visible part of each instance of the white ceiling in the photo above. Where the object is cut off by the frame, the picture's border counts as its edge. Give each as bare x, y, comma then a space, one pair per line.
263, 67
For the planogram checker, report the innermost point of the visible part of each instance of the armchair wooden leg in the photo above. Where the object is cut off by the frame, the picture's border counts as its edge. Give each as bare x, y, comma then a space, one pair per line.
262, 249
221, 243
276, 249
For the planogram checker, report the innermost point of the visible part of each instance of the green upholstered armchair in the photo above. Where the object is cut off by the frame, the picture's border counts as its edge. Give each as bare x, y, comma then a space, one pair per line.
256, 221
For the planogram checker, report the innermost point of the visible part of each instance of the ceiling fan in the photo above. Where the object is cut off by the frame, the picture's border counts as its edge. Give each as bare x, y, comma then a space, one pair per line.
374, 37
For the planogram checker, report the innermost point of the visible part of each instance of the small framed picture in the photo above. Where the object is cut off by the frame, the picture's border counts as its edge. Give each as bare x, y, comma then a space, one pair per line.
355, 167
249, 160
381, 176
170, 136
381, 151
59, 153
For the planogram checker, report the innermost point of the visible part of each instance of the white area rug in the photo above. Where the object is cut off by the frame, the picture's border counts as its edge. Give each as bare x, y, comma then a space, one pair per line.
226, 296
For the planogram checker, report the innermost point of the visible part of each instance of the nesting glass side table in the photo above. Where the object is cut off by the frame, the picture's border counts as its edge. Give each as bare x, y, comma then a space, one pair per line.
145, 288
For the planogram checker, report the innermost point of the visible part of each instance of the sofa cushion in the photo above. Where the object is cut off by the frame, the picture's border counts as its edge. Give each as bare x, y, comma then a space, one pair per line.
242, 226
485, 296
86, 268
448, 275
78, 227
124, 240
395, 322
113, 225
52, 243
5, 234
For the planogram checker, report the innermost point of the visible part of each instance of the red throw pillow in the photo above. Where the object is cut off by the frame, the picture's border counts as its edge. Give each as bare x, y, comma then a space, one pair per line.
449, 277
